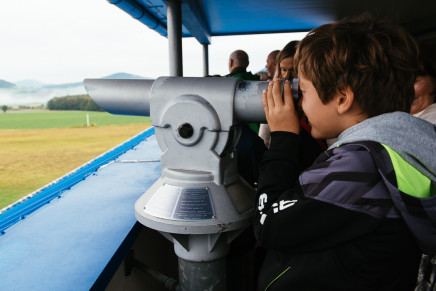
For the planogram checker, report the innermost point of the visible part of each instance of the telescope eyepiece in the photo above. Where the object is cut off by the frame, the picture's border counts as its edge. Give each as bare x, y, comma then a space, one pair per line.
295, 89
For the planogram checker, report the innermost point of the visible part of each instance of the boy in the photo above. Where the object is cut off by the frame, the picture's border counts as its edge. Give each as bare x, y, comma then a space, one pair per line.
352, 220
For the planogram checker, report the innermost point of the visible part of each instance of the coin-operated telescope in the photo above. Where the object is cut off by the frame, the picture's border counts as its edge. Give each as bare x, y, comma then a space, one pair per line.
199, 203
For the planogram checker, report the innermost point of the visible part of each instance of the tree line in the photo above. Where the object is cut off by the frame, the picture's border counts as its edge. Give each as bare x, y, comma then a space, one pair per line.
75, 102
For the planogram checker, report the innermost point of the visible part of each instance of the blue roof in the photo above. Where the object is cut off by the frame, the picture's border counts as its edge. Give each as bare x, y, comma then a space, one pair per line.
204, 18
82, 235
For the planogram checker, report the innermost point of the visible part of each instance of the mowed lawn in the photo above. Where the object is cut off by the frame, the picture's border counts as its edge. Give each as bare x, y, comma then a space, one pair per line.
32, 158
56, 119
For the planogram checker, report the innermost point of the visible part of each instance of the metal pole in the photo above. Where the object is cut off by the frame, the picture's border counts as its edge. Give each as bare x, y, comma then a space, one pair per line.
202, 275
205, 59
175, 37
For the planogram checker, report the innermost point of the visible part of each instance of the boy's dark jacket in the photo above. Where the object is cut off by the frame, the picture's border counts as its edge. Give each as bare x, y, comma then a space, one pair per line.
341, 226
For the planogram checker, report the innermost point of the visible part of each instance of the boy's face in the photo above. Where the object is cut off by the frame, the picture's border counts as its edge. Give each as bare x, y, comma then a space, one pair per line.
323, 118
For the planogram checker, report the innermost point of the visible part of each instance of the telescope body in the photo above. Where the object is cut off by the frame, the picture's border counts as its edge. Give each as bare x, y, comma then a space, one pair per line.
200, 202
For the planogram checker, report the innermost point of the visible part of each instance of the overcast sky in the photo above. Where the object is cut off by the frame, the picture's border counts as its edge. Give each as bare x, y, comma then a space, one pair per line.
55, 41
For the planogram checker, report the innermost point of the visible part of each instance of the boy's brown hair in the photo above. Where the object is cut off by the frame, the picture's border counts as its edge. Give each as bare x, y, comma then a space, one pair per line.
376, 58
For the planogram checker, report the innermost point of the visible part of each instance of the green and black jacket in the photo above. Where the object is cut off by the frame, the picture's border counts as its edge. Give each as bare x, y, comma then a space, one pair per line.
357, 219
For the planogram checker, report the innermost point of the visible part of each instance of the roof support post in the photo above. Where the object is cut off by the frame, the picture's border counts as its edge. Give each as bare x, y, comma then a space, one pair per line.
174, 14
205, 59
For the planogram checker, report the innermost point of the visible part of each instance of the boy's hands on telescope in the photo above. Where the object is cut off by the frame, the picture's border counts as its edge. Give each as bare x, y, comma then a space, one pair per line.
280, 112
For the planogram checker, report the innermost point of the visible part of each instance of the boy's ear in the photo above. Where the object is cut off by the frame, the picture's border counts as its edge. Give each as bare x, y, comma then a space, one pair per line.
345, 99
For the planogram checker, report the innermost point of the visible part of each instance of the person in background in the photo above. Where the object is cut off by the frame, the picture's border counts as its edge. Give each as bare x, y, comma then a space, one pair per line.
270, 67
238, 63
285, 61
263, 75
271, 62
268, 75
424, 105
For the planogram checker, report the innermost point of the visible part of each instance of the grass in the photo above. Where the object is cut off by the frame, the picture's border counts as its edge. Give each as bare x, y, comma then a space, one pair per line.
32, 158
60, 119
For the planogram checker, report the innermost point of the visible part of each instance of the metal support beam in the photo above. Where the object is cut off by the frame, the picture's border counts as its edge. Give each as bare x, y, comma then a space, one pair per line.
195, 22
174, 14
205, 59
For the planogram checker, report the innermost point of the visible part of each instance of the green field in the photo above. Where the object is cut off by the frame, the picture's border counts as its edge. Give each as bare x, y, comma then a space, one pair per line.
60, 119
39, 147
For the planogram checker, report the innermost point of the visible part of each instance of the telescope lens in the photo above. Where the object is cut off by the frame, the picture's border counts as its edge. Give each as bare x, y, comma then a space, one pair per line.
186, 130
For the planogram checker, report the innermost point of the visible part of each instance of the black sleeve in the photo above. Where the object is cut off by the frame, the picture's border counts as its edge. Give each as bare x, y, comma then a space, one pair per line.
278, 168
250, 149
285, 218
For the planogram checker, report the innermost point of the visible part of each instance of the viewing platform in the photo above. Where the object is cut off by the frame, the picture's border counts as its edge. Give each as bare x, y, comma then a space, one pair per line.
74, 233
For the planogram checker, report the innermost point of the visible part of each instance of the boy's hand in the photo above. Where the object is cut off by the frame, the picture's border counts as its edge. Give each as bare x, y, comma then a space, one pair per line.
280, 113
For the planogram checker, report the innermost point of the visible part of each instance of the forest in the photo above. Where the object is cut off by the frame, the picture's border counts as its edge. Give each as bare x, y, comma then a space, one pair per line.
75, 102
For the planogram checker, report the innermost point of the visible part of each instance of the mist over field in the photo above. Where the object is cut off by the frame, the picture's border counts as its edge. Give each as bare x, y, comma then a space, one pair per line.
23, 96
27, 92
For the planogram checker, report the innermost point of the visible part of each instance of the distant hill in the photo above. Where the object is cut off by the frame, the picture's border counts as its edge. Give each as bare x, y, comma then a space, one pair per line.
123, 76
78, 84
5, 84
